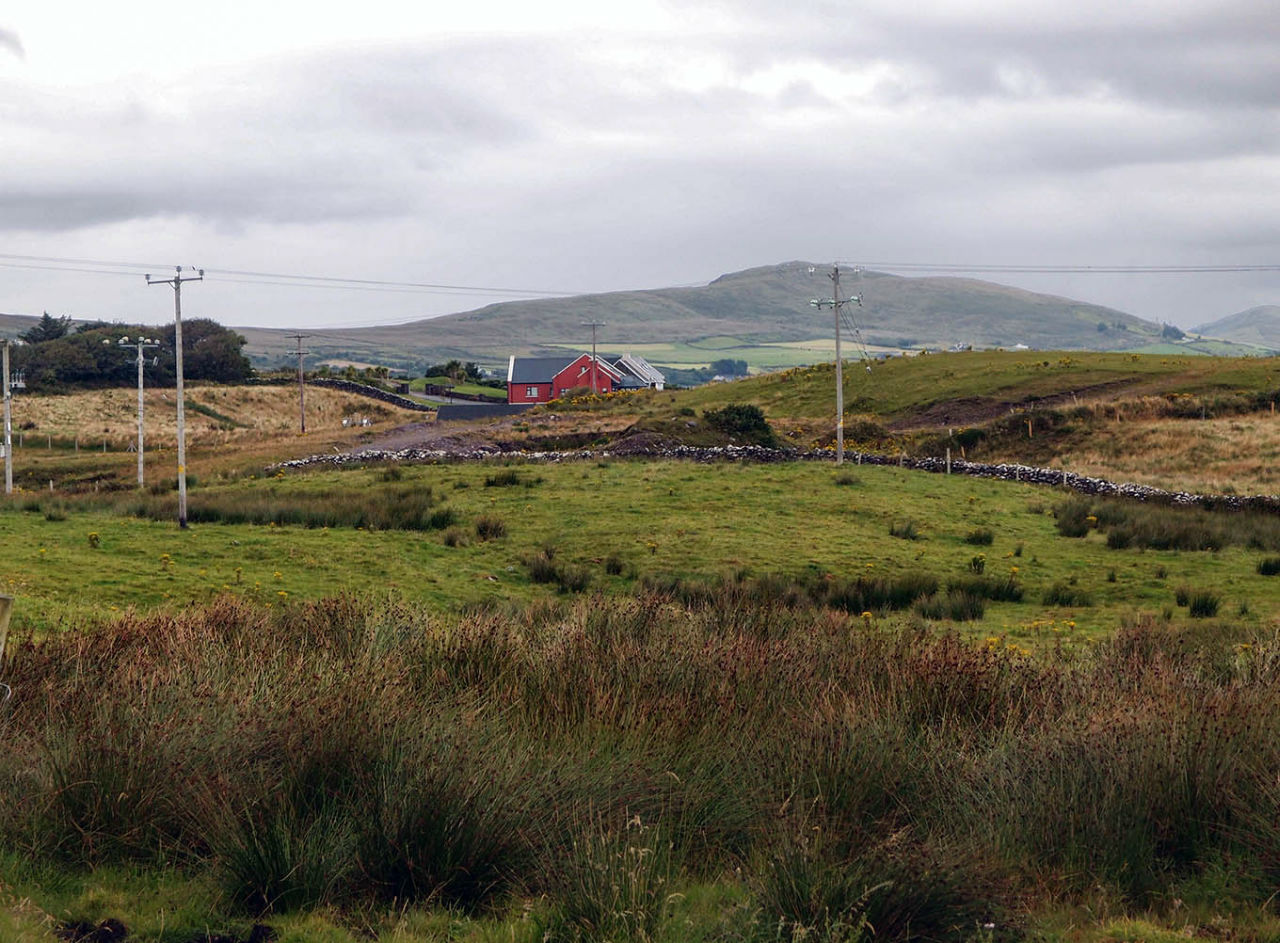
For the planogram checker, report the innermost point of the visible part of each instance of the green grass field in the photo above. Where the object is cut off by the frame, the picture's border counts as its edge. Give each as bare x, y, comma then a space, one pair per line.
897, 387
652, 518
472, 389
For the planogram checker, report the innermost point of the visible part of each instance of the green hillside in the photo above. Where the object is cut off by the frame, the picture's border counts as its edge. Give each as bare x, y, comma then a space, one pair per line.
973, 386
761, 315
1259, 326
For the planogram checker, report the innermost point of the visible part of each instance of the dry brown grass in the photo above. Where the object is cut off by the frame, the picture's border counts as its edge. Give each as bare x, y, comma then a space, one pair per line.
1240, 453
263, 429
112, 414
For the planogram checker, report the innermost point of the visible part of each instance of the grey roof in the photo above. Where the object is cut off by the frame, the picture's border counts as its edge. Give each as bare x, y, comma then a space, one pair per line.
544, 369
539, 369
639, 368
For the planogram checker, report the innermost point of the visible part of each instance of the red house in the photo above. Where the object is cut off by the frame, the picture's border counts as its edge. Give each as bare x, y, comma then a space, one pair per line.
540, 379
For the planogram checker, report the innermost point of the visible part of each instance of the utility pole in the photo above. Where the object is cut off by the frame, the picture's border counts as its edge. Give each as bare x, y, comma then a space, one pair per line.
836, 304
176, 282
595, 372
8, 425
302, 396
142, 343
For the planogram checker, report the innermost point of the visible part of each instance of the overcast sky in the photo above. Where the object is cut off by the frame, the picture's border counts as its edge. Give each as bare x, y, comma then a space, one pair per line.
575, 145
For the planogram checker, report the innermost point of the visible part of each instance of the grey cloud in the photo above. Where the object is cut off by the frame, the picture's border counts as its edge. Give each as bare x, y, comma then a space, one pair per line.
998, 140
1192, 53
9, 41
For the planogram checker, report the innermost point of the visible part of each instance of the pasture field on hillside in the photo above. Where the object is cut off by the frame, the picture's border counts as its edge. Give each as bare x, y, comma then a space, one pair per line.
453, 535
904, 388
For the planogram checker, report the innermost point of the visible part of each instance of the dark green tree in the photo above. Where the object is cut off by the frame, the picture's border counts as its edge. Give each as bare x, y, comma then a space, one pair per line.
48, 329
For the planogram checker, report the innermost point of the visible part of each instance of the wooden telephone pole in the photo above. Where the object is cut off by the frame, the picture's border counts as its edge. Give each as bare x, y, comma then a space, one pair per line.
176, 282
836, 305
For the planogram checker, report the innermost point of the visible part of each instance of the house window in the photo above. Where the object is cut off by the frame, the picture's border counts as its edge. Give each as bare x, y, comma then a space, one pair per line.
530, 391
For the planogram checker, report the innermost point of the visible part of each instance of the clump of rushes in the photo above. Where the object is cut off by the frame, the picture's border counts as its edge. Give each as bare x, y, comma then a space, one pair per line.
1270, 566
509, 478
955, 604
1203, 604
1063, 593
490, 527
980, 537
904, 530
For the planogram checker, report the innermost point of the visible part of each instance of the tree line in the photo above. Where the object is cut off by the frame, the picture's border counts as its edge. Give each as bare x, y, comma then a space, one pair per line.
58, 356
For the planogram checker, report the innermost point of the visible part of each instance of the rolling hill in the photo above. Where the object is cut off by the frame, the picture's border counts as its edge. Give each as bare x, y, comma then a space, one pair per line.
1259, 326
760, 314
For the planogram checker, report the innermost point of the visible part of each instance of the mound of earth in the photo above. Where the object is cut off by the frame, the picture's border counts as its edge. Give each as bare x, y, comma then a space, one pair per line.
642, 443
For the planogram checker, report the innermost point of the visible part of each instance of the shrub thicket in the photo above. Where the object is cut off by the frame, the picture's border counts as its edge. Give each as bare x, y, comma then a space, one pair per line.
742, 422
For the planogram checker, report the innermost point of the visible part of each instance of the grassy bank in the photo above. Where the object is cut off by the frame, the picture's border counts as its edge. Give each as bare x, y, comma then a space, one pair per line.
452, 536
637, 769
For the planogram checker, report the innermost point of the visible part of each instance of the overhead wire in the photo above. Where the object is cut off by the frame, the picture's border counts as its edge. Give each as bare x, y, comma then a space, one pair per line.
1030, 269
285, 279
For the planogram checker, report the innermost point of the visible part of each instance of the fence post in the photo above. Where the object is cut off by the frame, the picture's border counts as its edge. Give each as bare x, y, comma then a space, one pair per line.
6, 610
948, 460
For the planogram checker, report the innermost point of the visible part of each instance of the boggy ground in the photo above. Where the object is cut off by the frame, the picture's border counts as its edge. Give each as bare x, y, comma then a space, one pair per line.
732, 767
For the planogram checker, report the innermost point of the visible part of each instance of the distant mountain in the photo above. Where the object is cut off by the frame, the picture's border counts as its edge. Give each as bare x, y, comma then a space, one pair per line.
11, 325
742, 310
1259, 326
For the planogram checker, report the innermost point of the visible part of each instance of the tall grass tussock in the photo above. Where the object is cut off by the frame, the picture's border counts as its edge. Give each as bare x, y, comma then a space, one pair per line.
600, 756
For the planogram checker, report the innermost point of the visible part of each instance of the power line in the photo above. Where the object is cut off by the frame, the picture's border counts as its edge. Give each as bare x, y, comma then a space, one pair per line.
105, 267
983, 268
